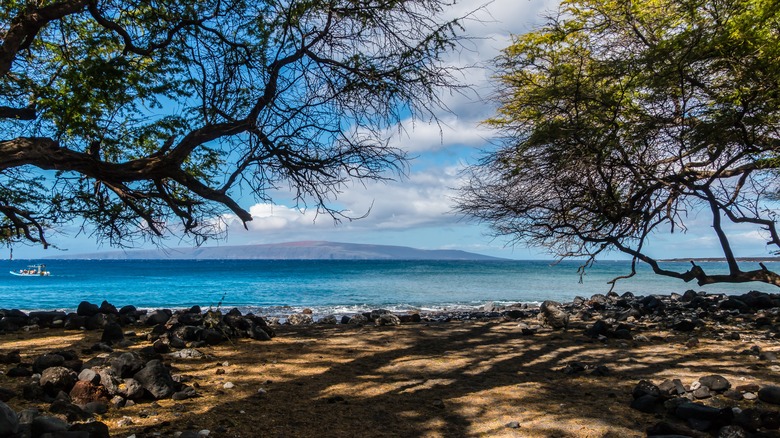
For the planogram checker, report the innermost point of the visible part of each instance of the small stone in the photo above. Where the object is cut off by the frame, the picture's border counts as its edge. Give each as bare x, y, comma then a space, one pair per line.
768, 356
96, 407
702, 392
732, 431
733, 394
645, 387
229, 385
89, 375
749, 396
187, 353
573, 368
438, 403
513, 425
118, 401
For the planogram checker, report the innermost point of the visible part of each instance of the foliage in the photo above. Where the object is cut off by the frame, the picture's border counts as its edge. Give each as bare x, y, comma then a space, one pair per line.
623, 118
148, 117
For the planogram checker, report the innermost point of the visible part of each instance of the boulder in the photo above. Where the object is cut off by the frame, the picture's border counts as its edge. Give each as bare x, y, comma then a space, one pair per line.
89, 375
127, 310
258, 333
156, 379
770, 394
45, 424
95, 429
358, 319
645, 403
9, 423
47, 318
387, 319
645, 387
553, 315
56, 379
7, 394
689, 410
131, 389
157, 317
87, 309
300, 319
84, 392
715, 382
10, 357
126, 364
108, 308
599, 328
328, 319
47, 361
109, 380
112, 332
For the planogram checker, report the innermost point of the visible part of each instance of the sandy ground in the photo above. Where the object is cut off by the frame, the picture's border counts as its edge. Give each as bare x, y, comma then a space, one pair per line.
456, 379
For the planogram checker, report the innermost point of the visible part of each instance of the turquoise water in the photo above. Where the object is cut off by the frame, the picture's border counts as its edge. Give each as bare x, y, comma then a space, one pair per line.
327, 286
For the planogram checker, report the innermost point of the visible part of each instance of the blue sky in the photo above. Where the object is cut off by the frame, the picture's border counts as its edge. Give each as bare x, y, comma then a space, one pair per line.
417, 211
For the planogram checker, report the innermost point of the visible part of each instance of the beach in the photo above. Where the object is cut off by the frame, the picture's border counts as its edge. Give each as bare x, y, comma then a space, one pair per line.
490, 376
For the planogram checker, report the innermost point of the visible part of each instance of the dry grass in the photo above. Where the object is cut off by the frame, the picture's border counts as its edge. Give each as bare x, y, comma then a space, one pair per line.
440, 380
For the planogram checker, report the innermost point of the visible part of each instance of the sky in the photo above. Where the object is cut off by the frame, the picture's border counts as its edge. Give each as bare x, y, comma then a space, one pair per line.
417, 211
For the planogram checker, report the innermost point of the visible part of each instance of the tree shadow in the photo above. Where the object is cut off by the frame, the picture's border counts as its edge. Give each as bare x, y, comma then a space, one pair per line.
453, 380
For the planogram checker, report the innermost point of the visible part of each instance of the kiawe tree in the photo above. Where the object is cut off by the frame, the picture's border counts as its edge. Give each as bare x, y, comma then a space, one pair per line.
138, 119
621, 119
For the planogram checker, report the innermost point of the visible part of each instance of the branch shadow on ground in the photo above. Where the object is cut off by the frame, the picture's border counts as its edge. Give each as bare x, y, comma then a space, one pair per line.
456, 380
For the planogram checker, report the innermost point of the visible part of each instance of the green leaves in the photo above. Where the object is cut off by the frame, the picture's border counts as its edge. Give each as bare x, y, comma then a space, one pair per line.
619, 118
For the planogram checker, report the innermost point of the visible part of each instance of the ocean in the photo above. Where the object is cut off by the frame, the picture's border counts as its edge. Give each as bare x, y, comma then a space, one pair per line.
279, 287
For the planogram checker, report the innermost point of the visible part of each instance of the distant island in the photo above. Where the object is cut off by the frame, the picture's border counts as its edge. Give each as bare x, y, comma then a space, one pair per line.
309, 250
722, 259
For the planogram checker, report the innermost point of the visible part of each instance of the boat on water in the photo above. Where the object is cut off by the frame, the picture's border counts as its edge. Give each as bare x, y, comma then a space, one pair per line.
32, 271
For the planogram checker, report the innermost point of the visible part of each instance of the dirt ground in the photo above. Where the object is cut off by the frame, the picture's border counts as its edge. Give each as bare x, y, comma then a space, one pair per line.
455, 379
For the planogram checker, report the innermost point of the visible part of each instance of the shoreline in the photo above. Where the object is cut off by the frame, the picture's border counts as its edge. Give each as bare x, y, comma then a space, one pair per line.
563, 370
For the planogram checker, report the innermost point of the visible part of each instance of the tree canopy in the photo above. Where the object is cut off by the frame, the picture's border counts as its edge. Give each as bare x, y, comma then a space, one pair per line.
139, 118
619, 119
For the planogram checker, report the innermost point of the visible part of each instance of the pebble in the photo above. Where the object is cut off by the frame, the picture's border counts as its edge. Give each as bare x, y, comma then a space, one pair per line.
513, 425
228, 385
702, 392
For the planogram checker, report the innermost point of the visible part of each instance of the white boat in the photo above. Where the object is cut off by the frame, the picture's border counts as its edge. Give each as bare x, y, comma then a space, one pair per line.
32, 271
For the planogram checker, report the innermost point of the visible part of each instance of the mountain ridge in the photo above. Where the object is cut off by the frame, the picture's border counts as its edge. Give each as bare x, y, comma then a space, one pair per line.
300, 250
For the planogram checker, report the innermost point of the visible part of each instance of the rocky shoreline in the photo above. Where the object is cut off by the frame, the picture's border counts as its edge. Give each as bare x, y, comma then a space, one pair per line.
131, 363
